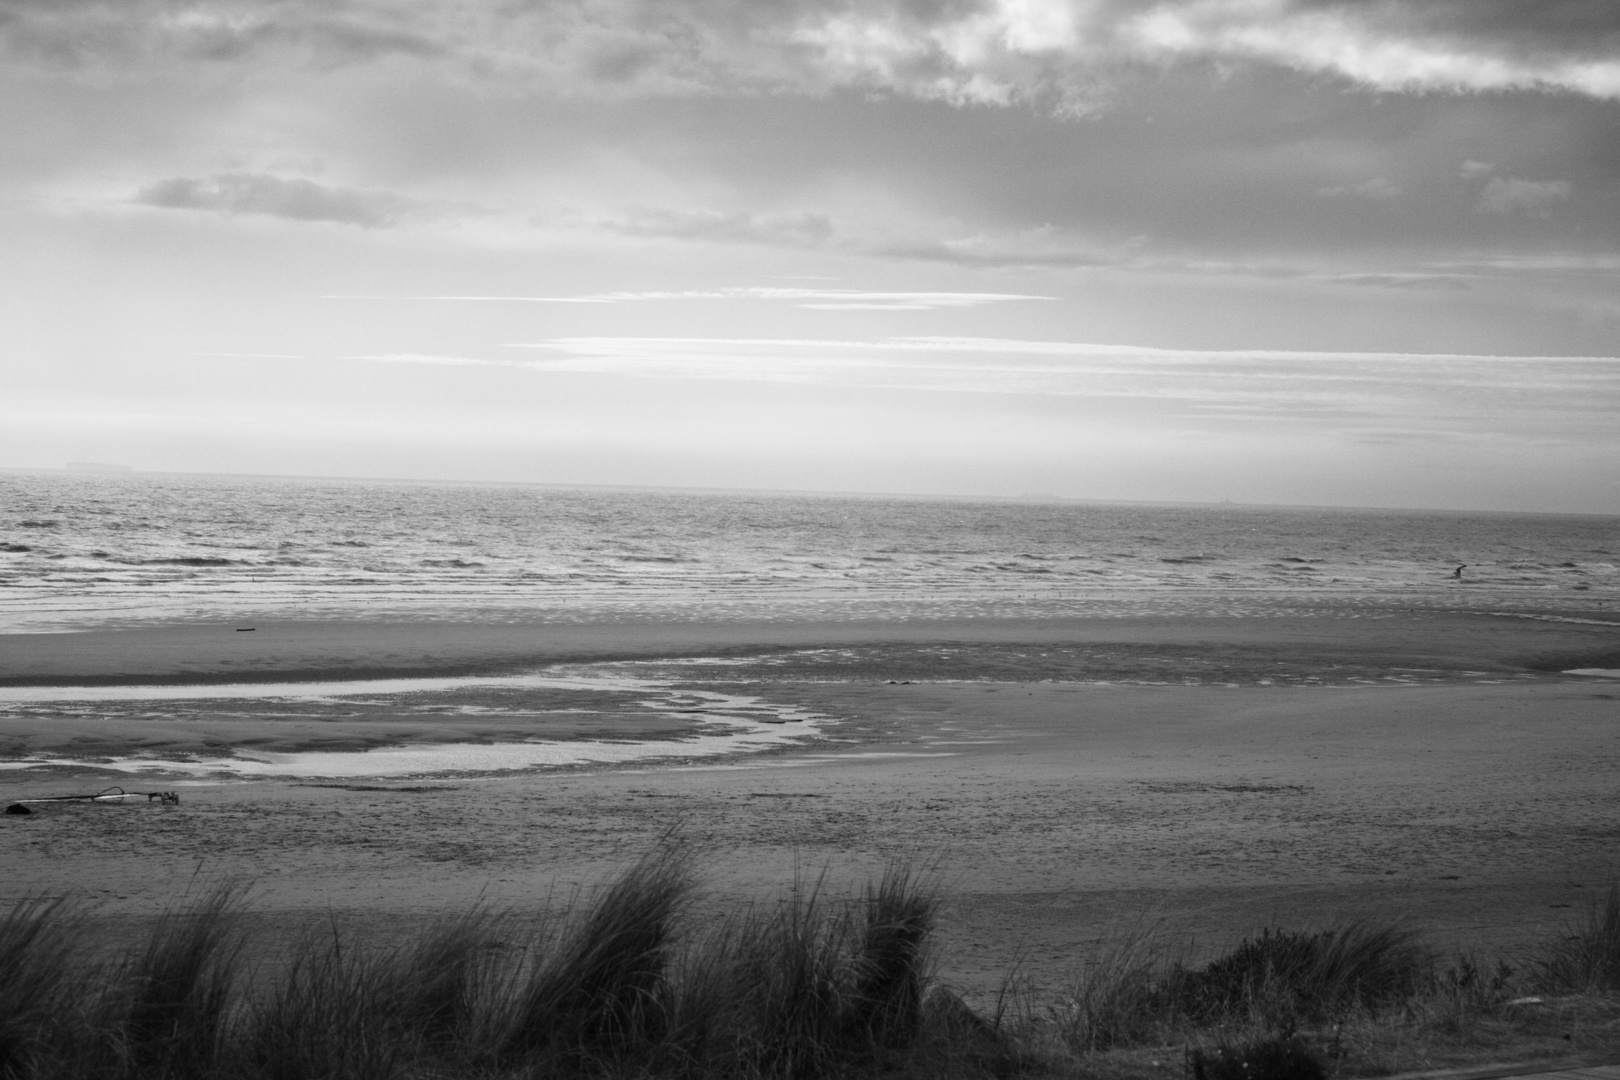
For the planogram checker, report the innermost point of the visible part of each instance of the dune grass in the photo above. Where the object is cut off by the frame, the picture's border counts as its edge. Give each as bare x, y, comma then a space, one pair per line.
1588, 958
37, 985
602, 995
1120, 998
633, 983
170, 1005
805, 988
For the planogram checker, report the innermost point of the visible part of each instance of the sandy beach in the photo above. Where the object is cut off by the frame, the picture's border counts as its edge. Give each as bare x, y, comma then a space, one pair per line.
1063, 780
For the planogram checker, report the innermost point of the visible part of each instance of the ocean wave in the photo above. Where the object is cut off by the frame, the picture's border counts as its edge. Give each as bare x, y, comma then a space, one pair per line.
262, 547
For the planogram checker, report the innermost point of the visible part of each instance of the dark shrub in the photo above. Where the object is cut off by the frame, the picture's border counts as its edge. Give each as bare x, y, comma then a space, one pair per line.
1286, 975
1275, 1058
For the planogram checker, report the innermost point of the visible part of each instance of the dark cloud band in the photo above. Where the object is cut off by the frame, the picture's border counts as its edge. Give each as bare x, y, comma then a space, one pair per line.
1057, 53
258, 193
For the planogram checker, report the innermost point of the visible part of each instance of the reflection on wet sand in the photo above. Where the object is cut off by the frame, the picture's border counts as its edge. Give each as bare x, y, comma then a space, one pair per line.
403, 727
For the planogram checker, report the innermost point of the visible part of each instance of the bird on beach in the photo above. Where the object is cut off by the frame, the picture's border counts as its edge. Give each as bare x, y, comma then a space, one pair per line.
1457, 573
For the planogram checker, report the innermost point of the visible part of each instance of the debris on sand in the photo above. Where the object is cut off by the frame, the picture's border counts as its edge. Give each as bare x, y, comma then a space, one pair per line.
106, 795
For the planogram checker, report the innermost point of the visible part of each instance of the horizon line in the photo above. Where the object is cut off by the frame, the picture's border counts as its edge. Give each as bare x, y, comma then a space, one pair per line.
116, 471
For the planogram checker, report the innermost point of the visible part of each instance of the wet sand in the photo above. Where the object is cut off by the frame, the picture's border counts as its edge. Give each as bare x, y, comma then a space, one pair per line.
1427, 768
1378, 636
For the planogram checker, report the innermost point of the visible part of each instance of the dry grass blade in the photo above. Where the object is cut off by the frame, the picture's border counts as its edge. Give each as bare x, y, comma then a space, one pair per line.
1119, 997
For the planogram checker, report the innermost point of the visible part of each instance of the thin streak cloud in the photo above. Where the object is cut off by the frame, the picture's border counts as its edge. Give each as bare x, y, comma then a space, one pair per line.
1553, 396
812, 299
253, 355
431, 358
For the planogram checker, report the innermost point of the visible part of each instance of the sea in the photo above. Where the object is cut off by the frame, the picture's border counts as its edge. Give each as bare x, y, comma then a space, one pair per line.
92, 551
83, 551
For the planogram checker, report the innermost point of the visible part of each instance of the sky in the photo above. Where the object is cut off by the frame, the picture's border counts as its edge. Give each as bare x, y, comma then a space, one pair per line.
1338, 252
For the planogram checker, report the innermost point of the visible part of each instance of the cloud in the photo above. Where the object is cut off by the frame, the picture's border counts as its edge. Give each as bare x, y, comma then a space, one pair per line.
1377, 189
1587, 27
1438, 392
1398, 46
1039, 246
253, 355
1507, 196
813, 299
1570, 262
1403, 280
101, 38
792, 230
1063, 55
434, 359
1000, 251
260, 193
866, 300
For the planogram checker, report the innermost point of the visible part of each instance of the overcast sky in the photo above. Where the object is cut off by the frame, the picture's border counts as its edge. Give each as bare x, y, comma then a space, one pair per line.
1357, 252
